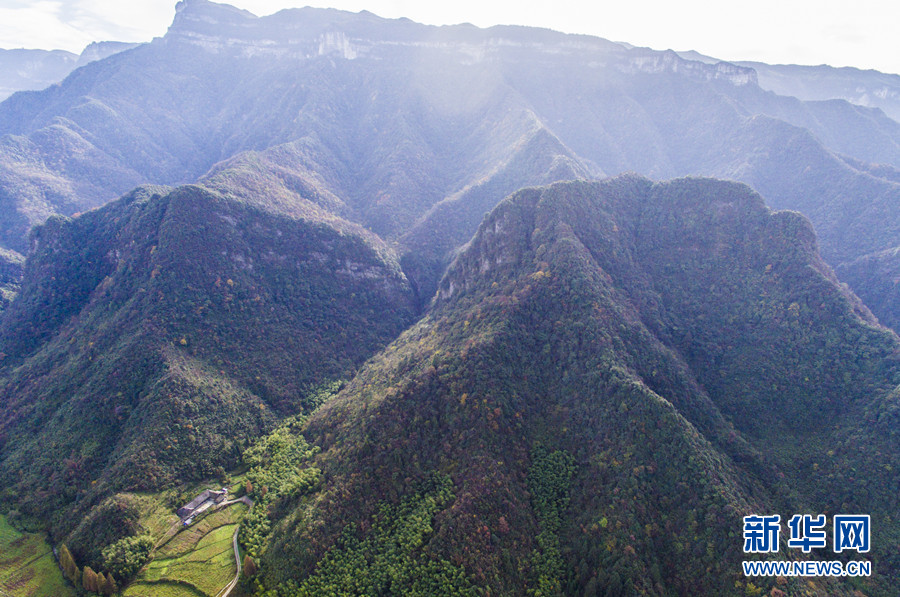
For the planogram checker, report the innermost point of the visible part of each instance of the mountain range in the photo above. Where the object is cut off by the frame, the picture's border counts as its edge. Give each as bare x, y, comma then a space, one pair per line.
542, 387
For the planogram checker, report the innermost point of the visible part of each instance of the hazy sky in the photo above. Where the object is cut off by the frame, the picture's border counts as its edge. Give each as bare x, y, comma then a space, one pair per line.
860, 33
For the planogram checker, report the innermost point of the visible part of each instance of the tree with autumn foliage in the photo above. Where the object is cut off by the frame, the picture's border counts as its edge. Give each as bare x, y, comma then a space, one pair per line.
67, 562
110, 587
89, 580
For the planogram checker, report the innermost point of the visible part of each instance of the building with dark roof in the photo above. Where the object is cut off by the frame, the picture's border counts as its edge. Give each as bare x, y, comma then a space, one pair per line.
199, 503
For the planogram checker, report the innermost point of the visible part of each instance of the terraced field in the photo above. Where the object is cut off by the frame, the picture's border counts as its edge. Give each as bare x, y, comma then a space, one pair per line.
27, 566
196, 562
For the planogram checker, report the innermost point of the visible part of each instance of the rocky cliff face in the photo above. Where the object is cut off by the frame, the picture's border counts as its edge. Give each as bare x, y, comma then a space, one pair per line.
669, 61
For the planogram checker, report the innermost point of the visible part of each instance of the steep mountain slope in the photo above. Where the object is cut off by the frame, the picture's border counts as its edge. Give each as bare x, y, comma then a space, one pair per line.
612, 376
540, 158
852, 207
166, 114
378, 93
153, 337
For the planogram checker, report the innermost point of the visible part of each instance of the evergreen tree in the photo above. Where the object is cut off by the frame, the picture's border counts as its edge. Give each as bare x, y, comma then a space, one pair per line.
110, 588
89, 580
249, 566
67, 562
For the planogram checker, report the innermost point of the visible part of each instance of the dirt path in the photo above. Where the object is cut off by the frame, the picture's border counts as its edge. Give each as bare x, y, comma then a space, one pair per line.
243, 499
237, 554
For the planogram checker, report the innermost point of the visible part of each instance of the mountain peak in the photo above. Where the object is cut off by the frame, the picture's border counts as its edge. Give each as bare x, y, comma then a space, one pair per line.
205, 6
206, 17
99, 50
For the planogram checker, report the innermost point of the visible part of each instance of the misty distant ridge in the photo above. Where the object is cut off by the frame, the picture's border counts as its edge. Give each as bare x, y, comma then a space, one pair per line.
869, 88
217, 25
22, 70
31, 70
99, 50
212, 24
308, 32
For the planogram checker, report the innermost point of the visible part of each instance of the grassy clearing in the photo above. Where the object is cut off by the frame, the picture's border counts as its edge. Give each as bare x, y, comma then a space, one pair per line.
156, 515
27, 566
197, 561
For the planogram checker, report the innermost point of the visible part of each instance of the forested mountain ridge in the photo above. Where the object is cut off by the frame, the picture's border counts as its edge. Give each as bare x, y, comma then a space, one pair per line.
613, 374
412, 124
154, 337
